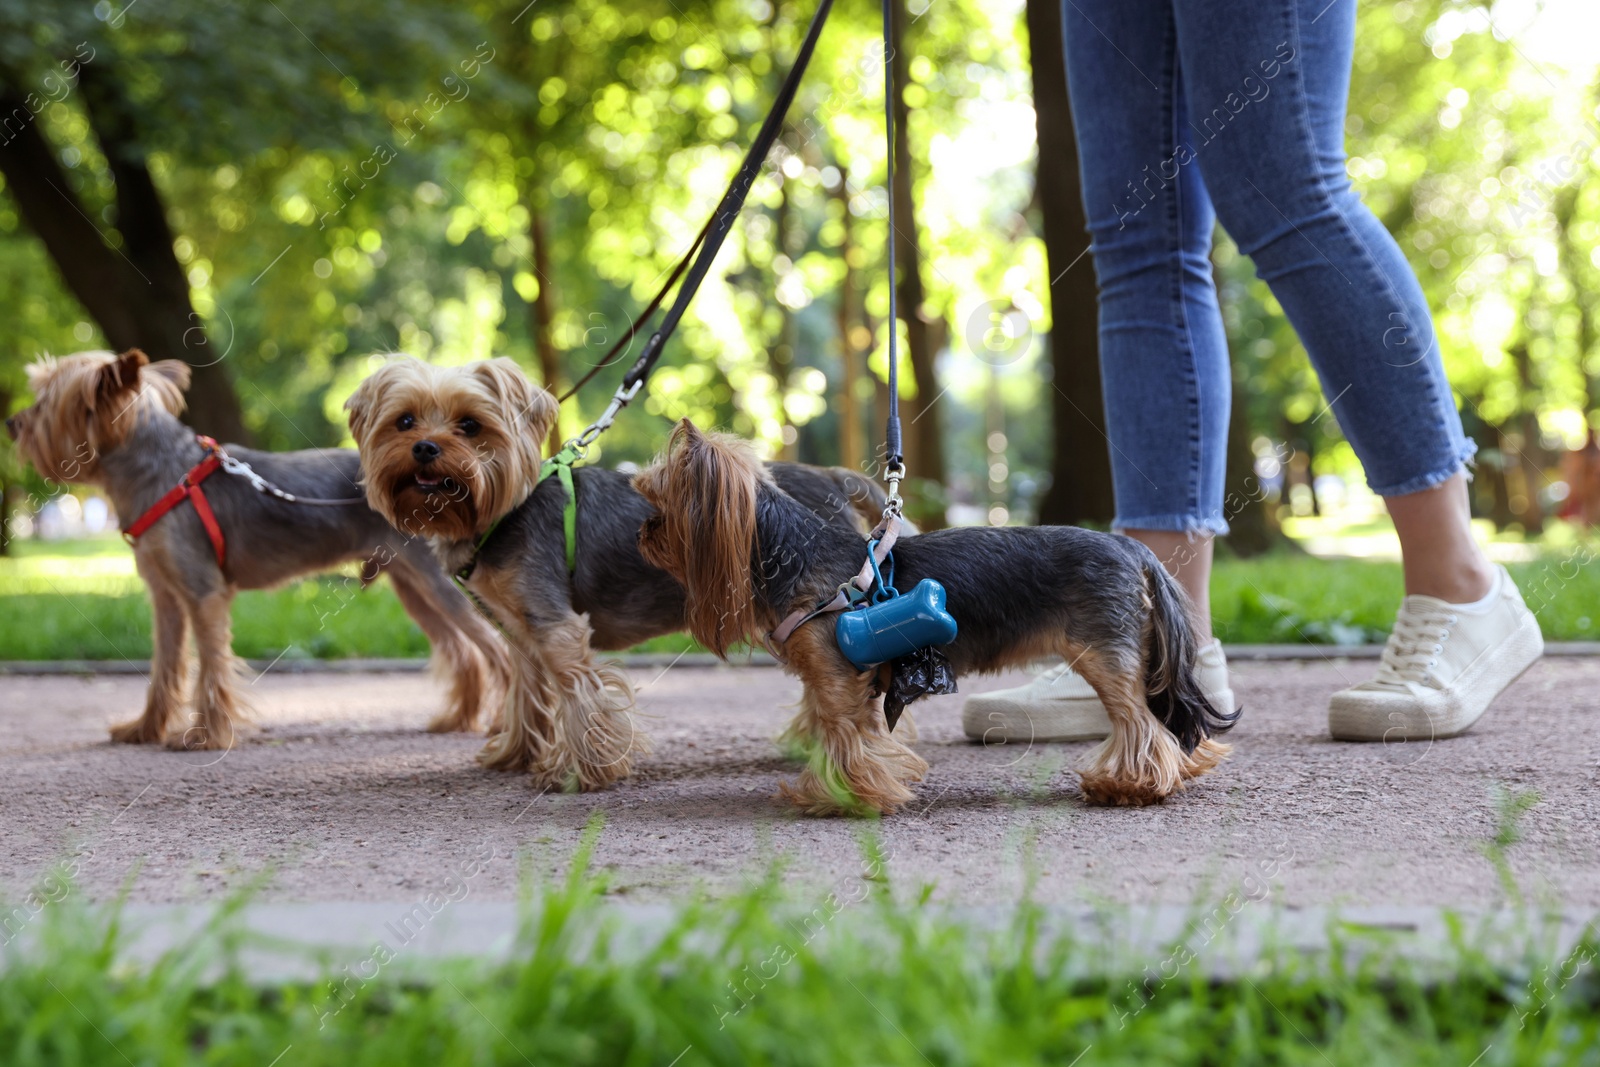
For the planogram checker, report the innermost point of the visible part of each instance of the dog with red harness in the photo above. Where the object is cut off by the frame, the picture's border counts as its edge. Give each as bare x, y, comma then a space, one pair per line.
207, 521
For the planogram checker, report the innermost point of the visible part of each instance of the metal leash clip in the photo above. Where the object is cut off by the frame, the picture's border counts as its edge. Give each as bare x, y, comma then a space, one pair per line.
239, 468
619, 400
893, 503
243, 470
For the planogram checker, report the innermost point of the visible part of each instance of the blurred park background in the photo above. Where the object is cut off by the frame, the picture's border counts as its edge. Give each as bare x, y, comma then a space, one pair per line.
277, 192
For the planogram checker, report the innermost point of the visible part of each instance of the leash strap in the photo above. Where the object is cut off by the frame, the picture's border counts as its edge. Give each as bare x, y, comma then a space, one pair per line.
716, 231
851, 592
188, 489
560, 465
626, 340
893, 457
242, 469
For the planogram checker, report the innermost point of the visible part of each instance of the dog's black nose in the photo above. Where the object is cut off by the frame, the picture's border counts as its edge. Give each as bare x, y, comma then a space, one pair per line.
11, 427
424, 451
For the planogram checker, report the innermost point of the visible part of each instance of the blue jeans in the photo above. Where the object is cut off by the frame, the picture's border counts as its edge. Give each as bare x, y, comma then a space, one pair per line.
1194, 111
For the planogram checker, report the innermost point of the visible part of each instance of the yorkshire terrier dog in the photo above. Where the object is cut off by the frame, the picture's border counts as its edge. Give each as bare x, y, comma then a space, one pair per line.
112, 421
454, 451
748, 554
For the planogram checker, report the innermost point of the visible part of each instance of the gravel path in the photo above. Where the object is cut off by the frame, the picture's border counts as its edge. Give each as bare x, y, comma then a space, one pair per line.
341, 797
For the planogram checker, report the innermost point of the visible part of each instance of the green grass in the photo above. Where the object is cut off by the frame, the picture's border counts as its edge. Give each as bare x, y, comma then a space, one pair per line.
1294, 599
771, 978
82, 600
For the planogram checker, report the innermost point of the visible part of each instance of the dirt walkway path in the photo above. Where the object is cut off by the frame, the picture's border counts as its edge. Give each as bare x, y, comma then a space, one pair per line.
342, 797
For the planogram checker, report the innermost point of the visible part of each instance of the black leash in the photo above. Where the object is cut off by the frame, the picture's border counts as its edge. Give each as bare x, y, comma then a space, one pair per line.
626, 341
893, 460
716, 231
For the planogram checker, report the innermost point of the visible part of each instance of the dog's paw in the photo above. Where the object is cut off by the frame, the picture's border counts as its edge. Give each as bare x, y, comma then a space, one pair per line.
822, 790
453, 721
1120, 792
136, 732
503, 752
200, 739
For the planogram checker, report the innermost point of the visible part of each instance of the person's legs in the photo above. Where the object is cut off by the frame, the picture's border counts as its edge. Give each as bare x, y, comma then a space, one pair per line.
1163, 352
1269, 80
1441, 559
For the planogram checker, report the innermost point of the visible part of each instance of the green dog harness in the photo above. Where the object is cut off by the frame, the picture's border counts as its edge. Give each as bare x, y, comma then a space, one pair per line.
560, 465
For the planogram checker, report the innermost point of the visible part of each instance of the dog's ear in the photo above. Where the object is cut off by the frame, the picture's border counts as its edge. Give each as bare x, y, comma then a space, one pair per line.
526, 404
176, 371
120, 374
687, 443
40, 371
707, 501
168, 379
115, 385
360, 405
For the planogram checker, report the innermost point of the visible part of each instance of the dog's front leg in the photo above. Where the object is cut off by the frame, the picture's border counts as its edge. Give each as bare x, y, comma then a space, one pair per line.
467, 650
220, 712
522, 731
169, 669
570, 720
854, 765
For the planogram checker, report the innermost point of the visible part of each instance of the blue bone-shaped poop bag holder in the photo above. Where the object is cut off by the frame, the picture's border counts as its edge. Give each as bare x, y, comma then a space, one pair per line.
896, 625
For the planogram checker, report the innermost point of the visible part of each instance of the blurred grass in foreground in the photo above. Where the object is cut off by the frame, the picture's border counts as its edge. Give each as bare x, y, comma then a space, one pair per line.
83, 600
771, 977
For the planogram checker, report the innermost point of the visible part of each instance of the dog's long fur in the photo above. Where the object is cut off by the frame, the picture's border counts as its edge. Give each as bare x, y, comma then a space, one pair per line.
112, 421
751, 554
568, 717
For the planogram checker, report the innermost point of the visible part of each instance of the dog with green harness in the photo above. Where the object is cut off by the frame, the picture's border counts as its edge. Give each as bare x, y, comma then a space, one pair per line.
549, 548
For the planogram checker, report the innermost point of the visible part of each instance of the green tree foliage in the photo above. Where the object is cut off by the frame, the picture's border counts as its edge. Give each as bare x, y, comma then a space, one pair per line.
1480, 160
463, 180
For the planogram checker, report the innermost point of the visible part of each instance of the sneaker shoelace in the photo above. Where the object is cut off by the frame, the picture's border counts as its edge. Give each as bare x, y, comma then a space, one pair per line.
1413, 649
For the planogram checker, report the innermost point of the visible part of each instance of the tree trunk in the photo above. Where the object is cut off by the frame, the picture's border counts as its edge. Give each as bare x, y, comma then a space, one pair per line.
1573, 256
880, 418
1304, 462
1080, 481
541, 312
781, 359
1500, 512
852, 442
91, 271
168, 324
137, 293
1531, 455
5, 484
1251, 530
924, 442
1530, 462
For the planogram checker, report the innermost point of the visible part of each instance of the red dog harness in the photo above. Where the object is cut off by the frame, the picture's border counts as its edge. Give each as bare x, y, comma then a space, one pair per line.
188, 489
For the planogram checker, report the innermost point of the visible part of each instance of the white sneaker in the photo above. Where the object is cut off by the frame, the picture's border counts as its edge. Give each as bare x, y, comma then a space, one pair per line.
1443, 666
1059, 705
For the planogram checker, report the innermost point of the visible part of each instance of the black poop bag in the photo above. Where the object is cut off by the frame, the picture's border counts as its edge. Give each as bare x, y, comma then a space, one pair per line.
914, 676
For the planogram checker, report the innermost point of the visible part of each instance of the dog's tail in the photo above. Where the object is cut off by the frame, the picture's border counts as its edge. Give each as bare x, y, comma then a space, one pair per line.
1171, 685
703, 489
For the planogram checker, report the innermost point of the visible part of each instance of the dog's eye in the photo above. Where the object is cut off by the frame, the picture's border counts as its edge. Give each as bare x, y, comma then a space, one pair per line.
405, 422
469, 426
